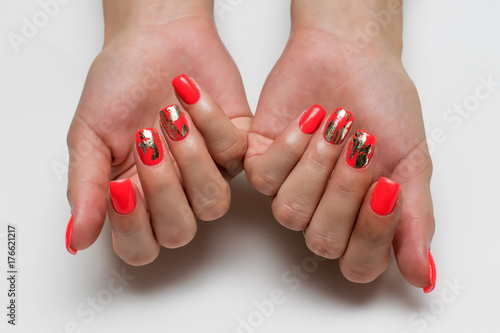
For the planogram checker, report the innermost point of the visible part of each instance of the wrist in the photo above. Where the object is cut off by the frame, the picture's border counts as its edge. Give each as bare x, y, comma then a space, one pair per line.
371, 25
122, 14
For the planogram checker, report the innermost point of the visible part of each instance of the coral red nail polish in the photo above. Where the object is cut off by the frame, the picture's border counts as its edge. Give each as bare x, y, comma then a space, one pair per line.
338, 125
360, 149
174, 122
69, 233
122, 196
186, 89
149, 146
385, 195
310, 121
432, 275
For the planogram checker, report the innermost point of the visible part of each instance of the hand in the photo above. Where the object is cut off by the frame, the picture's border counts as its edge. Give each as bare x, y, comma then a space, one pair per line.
327, 62
128, 84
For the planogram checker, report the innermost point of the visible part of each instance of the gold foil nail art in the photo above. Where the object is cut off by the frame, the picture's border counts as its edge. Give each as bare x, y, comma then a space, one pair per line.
361, 149
174, 122
148, 142
339, 124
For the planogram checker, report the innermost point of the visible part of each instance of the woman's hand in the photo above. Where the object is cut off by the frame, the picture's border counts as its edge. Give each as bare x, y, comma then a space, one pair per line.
332, 61
147, 45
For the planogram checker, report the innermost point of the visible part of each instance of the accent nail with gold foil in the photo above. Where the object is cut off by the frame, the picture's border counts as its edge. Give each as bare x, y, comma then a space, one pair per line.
360, 149
338, 125
174, 122
149, 146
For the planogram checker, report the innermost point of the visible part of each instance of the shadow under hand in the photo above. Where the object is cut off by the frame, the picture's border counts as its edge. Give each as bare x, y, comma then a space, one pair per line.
249, 235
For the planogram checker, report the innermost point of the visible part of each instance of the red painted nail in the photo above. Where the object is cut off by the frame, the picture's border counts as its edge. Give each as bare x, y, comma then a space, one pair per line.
311, 120
339, 124
360, 149
149, 146
186, 89
174, 122
69, 233
122, 196
432, 275
385, 195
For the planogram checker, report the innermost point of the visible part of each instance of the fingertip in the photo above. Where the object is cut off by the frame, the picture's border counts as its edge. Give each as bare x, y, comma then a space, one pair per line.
385, 196
69, 232
432, 275
86, 222
312, 119
186, 89
416, 268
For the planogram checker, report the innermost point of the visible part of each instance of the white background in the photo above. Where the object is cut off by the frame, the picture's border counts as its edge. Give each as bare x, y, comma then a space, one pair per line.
241, 258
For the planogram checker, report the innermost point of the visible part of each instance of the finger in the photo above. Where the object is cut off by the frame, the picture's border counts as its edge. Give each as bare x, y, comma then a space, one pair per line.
369, 250
226, 143
268, 171
416, 227
88, 177
133, 238
171, 217
302, 190
332, 223
206, 189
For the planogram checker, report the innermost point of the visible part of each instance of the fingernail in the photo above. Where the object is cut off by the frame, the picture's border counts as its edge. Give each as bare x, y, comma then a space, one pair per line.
360, 149
311, 120
338, 125
186, 89
385, 195
122, 196
174, 122
149, 146
432, 275
69, 233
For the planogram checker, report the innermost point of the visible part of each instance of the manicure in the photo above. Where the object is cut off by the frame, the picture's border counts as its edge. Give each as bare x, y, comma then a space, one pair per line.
385, 195
360, 149
432, 275
122, 196
149, 146
311, 120
174, 122
186, 89
338, 125
69, 233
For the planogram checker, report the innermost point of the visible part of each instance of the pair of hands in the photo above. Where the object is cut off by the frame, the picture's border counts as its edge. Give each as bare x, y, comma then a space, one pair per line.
128, 84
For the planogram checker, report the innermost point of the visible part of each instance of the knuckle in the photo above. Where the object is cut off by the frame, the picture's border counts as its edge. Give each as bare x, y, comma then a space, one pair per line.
142, 258
265, 182
176, 237
125, 228
212, 207
319, 160
291, 215
231, 150
345, 187
359, 270
325, 243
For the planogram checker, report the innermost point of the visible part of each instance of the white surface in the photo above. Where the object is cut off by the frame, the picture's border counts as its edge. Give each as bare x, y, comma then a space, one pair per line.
242, 258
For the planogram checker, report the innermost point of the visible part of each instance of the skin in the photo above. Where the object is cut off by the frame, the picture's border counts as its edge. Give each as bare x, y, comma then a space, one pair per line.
324, 63
128, 84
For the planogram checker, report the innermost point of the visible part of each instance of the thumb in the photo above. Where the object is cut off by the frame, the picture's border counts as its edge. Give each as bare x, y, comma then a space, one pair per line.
416, 227
88, 179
